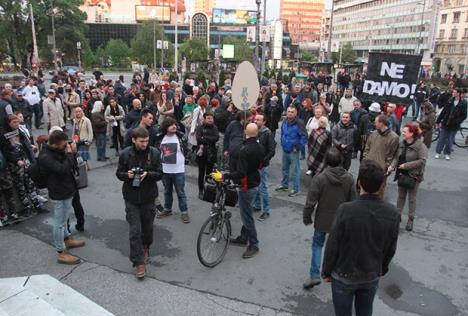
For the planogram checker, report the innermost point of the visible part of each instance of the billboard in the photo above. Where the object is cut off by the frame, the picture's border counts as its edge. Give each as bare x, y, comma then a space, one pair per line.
152, 12
233, 16
105, 4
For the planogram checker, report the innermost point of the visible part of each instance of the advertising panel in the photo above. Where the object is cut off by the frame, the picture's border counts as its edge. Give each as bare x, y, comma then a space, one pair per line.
233, 16
152, 12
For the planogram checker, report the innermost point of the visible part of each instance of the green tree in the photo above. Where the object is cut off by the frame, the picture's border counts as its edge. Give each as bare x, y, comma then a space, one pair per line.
142, 46
242, 50
348, 55
308, 56
195, 49
119, 53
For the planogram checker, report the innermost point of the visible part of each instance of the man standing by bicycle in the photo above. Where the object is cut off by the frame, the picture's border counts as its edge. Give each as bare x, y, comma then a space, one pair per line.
251, 157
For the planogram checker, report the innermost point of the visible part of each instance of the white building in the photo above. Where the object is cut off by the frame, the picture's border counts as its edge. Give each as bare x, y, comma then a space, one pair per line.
324, 33
451, 49
403, 26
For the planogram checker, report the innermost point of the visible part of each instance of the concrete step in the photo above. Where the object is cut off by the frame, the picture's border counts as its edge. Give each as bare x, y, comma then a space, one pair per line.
44, 295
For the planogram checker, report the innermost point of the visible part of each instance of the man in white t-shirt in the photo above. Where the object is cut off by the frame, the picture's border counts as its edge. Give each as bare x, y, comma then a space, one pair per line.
173, 147
32, 95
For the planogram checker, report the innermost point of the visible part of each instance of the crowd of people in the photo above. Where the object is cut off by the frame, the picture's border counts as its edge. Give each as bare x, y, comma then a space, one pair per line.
156, 127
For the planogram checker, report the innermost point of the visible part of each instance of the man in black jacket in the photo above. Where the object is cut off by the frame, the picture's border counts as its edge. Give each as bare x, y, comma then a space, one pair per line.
233, 138
251, 158
267, 139
273, 108
57, 161
146, 121
361, 244
139, 169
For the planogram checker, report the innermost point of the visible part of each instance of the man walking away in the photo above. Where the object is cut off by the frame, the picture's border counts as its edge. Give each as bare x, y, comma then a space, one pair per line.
57, 161
361, 244
266, 138
327, 191
251, 157
140, 169
344, 138
293, 138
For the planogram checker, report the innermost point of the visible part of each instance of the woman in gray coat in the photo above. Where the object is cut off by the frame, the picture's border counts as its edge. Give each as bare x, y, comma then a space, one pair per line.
409, 166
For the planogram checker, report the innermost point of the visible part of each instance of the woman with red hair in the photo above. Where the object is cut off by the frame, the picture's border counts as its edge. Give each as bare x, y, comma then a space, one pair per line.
409, 166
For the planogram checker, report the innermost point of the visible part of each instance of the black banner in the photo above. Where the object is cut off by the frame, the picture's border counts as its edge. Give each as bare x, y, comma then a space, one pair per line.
391, 77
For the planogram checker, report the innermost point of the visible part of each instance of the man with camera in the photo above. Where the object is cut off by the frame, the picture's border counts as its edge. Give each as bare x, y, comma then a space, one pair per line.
139, 169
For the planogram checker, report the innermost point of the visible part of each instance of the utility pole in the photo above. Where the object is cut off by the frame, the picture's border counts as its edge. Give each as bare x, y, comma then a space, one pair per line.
154, 43
162, 36
54, 44
263, 43
176, 57
329, 54
35, 55
421, 28
257, 36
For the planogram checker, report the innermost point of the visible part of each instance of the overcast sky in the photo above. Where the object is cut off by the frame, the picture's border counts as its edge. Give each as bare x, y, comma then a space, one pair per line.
272, 6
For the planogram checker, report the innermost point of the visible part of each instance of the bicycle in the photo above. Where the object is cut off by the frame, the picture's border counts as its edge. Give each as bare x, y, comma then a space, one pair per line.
461, 137
215, 233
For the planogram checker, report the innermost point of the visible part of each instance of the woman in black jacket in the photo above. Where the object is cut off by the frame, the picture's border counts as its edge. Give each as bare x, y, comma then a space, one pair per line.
207, 136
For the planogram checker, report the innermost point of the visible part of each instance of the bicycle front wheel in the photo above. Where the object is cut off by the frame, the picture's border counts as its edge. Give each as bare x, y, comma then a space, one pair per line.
213, 241
461, 138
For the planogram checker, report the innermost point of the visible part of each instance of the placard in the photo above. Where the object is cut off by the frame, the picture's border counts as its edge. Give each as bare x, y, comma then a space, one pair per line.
245, 87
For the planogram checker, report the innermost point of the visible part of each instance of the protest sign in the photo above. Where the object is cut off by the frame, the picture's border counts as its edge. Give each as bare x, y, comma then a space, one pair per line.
245, 87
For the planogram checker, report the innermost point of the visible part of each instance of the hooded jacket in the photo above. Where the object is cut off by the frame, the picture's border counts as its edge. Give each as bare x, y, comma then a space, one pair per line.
293, 135
327, 191
382, 147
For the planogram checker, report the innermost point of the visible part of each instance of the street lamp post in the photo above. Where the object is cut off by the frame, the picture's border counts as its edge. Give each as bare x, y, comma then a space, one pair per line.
263, 43
54, 45
417, 51
257, 35
78, 48
329, 54
176, 57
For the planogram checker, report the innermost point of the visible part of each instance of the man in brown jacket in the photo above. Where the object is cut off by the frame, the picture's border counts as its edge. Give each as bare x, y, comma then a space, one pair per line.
382, 146
327, 191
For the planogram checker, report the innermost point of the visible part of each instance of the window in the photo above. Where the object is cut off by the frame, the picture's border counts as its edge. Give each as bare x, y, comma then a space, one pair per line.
443, 20
454, 33
456, 17
452, 48
441, 33
465, 35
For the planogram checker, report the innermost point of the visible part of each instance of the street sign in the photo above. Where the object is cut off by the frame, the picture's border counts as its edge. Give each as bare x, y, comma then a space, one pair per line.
251, 31
335, 46
245, 87
50, 39
264, 33
159, 44
166, 45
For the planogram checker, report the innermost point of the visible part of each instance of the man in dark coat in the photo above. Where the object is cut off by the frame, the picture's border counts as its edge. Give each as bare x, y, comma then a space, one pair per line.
327, 191
273, 108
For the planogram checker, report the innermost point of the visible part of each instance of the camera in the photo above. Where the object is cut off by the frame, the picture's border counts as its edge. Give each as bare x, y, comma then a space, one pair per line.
137, 172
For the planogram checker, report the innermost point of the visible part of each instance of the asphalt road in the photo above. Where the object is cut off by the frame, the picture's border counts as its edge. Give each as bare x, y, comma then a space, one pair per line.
428, 275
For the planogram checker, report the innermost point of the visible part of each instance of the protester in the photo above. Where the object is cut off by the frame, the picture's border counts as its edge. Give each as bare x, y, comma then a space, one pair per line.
319, 141
100, 130
251, 157
409, 167
146, 120
173, 151
273, 108
233, 138
133, 116
140, 169
393, 121
72, 101
347, 102
207, 136
32, 95
344, 138
197, 120
115, 116
427, 123
165, 107
53, 111
22, 106
420, 97
312, 123
327, 192
82, 134
449, 122
7, 194
293, 139
57, 160
266, 138
367, 226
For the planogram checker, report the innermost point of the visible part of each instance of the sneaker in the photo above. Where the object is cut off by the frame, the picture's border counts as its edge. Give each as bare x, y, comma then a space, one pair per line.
73, 243
447, 157
437, 156
140, 271
42, 199
164, 213
12, 217
238, 241
310, 283
250, 252
65, 258
281, 189
263, 217
185, 218
159, 208
309, 172
293, 193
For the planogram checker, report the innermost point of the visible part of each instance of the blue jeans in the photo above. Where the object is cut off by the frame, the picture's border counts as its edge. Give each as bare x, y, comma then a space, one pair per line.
248, 231
38, 114
362, 294
317, 245
178, 181
289, 159
262, 197
62, 209
445, 141
101, 145
415, 108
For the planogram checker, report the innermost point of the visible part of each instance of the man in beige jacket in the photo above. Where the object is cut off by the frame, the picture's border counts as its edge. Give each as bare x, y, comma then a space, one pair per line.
72, 101
53, 111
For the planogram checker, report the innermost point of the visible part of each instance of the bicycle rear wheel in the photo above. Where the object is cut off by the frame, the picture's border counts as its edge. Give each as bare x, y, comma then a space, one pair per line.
213, 240
461, 138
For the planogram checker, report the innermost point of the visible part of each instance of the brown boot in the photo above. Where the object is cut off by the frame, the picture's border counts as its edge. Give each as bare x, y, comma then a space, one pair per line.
65, 258
140, 271
146, 252
73, 243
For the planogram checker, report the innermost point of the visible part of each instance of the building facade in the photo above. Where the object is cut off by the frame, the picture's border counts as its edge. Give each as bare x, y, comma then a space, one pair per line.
205, 6
451, 49
325, 25
399, 26
302, 19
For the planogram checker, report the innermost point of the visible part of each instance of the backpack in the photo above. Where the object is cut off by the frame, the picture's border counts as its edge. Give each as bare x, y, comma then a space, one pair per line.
37, 176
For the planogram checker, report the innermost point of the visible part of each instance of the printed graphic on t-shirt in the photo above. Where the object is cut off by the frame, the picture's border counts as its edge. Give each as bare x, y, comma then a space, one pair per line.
169, 153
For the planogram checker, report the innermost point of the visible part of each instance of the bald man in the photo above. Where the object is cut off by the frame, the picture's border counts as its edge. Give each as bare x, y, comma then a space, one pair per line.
251, 159
133, 116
